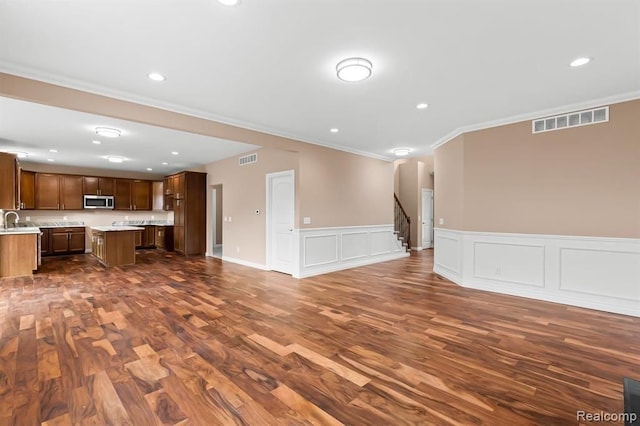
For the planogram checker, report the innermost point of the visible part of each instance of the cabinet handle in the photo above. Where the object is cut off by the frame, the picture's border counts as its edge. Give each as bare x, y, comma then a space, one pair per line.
58, 206
62, 206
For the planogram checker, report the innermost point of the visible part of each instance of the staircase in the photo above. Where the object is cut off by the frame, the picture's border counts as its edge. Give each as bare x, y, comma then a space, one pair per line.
402, 224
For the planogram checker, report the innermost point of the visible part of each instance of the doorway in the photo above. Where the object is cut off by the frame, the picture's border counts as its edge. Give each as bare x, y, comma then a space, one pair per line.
427, 218
280, 213
215, 248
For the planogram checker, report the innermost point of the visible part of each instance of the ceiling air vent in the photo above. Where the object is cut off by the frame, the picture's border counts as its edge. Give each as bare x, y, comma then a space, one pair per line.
248, 159
572, 119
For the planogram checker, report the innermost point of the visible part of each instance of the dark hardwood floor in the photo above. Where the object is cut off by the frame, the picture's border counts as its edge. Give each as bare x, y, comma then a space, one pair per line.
198, 341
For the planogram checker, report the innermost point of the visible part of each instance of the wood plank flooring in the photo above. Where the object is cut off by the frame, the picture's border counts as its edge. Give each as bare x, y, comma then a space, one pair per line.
173, 341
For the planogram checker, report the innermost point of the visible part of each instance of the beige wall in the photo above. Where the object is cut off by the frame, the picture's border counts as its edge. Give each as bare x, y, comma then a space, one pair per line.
581, 181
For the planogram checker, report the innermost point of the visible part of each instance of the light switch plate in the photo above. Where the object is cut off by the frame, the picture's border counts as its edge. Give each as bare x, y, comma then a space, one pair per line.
441, 221
306, 220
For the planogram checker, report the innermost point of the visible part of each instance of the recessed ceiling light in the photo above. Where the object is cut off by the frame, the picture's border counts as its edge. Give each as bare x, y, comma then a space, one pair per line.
51, 159
53, 150
96, 142
156, 76
174, 153
422, 106
149, 169
579, 62
108, 132
354, 69
165, 163
229, 2
401, 152
334, 130
114, 159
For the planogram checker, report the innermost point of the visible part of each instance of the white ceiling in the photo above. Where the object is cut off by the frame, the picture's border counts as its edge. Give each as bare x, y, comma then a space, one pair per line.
270, 64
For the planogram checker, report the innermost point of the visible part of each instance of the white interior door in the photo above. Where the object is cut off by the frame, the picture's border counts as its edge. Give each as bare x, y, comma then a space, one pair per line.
280, 217
427, 218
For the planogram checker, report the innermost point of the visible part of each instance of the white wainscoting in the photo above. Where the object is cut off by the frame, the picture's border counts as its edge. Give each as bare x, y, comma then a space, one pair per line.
322, 250
591, 272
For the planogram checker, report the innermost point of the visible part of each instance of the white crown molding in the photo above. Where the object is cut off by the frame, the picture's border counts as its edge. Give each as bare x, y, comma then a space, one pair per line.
615, 99
44, 77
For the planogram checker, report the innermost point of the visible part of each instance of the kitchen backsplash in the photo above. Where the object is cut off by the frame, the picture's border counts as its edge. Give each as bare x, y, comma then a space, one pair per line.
92, 217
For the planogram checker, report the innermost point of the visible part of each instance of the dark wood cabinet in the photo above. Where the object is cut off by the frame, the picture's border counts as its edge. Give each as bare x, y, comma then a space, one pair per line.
93, 185
71, 192
164, 237
47, 191
27, 190
146, 238
60, 241
10, 179
189, 212
141, 195
122, 193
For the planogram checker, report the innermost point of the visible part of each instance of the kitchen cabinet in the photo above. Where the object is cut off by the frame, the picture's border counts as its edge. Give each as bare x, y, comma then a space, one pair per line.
18, 254
71, 192
10, 182
66, 241
132, 194
47, 191
189, 212
93, 185
146, 238
114, 247
45, 245
27, 190
164, 237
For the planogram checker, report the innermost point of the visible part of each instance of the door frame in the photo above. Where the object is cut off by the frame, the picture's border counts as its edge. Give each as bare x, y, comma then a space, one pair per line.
214, 220
430, 192
267, 217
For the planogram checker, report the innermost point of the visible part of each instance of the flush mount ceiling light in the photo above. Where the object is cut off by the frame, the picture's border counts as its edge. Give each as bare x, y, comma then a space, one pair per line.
579, 62
156, 76
115, 159
229, 2
402, 152
19, 154
108, 132
354, 69
422, 106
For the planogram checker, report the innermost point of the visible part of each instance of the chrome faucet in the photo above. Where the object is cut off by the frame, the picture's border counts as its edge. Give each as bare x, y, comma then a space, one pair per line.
14, 222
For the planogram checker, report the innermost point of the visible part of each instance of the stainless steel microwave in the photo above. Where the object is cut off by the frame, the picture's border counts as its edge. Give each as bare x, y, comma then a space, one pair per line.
98, 202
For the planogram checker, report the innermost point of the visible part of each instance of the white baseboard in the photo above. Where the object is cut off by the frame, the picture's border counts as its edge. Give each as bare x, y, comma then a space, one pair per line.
244, 263
323, 250
591, 272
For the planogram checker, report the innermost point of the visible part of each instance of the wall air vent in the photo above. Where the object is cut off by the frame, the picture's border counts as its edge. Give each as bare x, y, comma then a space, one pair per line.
572, 119
248, 159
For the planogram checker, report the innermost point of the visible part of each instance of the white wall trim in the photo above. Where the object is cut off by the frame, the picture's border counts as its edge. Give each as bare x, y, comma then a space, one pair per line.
244, 263
615, 99
593, 272
323, 250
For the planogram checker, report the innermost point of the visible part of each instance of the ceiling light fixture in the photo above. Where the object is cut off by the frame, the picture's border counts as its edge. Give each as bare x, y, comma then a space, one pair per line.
334, 130
149, 169
174, 153
96, 142
51, 159
229, 2
422, 106
114, 159
53, 150
156, 76
354, 69
402, 152
19, 154
579, 62
164, 163
108, 132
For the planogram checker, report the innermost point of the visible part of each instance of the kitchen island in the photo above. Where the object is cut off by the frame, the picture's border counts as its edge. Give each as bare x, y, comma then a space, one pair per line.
114, 245
18, 251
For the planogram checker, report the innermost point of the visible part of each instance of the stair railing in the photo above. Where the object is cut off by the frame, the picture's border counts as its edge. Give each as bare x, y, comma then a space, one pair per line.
402, 223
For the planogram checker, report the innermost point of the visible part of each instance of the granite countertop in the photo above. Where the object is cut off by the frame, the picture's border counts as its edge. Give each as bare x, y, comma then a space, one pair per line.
20, 230
142, 223
65, 224
117, 228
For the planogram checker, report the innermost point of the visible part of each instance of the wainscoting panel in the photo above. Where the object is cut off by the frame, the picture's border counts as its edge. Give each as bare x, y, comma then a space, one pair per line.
591, 272
323, 250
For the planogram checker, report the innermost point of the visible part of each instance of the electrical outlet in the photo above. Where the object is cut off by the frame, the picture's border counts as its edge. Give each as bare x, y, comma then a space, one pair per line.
152, 217
229, 218
237, 249
126, 218
441, 221
28, 218
64, 218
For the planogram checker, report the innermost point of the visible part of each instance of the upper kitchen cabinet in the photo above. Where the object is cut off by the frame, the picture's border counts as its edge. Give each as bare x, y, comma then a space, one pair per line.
98, 185
47, 191
27, 190
132, 194
58, 192
10, 182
